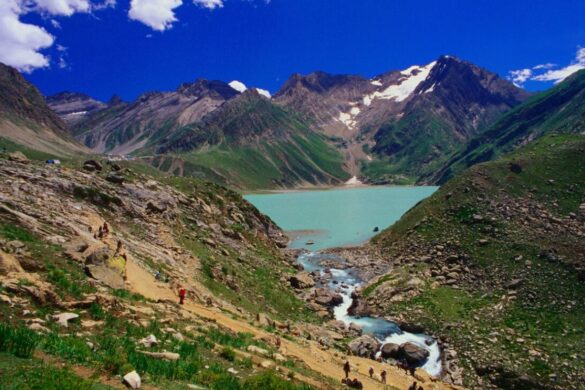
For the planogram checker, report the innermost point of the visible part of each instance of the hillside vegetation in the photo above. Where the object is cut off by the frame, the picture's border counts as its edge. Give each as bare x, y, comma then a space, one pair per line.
251, 143
494, 263
560, 109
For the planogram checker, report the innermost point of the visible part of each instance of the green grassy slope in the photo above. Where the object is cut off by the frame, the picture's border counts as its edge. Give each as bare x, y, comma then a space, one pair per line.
250, 143
560, 109
512, 232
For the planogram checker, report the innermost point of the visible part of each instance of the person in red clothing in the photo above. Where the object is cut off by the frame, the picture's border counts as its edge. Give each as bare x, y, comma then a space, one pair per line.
182, 294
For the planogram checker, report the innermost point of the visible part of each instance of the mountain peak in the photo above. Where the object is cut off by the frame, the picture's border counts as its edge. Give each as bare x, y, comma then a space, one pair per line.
202, 87
318, 82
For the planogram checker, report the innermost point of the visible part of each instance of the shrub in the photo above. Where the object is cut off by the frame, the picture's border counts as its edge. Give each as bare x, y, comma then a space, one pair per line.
228, 354
269, 380
71, 349
20, 342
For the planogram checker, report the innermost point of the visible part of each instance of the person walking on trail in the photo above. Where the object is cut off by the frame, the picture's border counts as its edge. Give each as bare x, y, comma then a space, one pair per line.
383, 376
182, 294
346, 369
371, 372
413, 386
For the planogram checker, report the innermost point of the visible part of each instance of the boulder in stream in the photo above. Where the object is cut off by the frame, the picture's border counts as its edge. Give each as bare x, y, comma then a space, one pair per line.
413, 354
365, 346
390, 351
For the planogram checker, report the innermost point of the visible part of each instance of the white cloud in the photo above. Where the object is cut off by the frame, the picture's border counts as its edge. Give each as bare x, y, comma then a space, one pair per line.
20, 42
60, 7
548, 65
156, 14
559, 75
62, 63
210, 4
159, 14
520, 76
103, 5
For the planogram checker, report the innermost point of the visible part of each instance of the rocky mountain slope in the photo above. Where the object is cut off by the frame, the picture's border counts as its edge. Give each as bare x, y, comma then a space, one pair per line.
26, 119
411, 119
560, 109
398, 126
73, 107
91, 261
209, 129
493, 263
252, 143
151, 117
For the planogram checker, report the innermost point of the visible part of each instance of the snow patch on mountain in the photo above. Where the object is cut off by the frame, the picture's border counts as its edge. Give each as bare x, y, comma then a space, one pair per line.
241, 87
430, 89
348, 118
264, 92
238, 85
377, 83
412, 77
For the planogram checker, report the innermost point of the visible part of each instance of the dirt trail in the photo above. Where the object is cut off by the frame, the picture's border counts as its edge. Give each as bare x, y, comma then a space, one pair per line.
328, 363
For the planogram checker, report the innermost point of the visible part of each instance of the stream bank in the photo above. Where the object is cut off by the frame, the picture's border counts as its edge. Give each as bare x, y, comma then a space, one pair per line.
344, 281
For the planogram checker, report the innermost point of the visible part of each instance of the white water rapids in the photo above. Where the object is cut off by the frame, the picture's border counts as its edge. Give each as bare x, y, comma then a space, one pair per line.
385, 331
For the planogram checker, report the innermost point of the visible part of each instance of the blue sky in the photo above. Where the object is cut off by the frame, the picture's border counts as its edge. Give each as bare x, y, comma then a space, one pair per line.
102, 47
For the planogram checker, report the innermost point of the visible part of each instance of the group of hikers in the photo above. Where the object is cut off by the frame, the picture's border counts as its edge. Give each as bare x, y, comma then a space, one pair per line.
356, 384
102, 231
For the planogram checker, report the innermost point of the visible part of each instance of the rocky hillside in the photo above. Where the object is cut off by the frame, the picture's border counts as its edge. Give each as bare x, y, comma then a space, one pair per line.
26, 119
560, 109
234, 137
456, 101
411, 119
71, 286
493, 263
396, 127
73, 107
252, 143
153, 116
92, 259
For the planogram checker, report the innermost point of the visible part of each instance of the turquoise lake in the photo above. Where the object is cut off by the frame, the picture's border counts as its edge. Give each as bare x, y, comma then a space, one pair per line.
339, 216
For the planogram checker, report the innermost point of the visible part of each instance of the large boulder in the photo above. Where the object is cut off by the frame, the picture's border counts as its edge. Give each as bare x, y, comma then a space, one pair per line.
92, 165
302, 280
9, 264
18, 157
111, 271
115, 178
390, 351
132, 380
149, 341
413, 353
264, 320
164, 355
64, 318
155, 206
327, 298
365, 346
